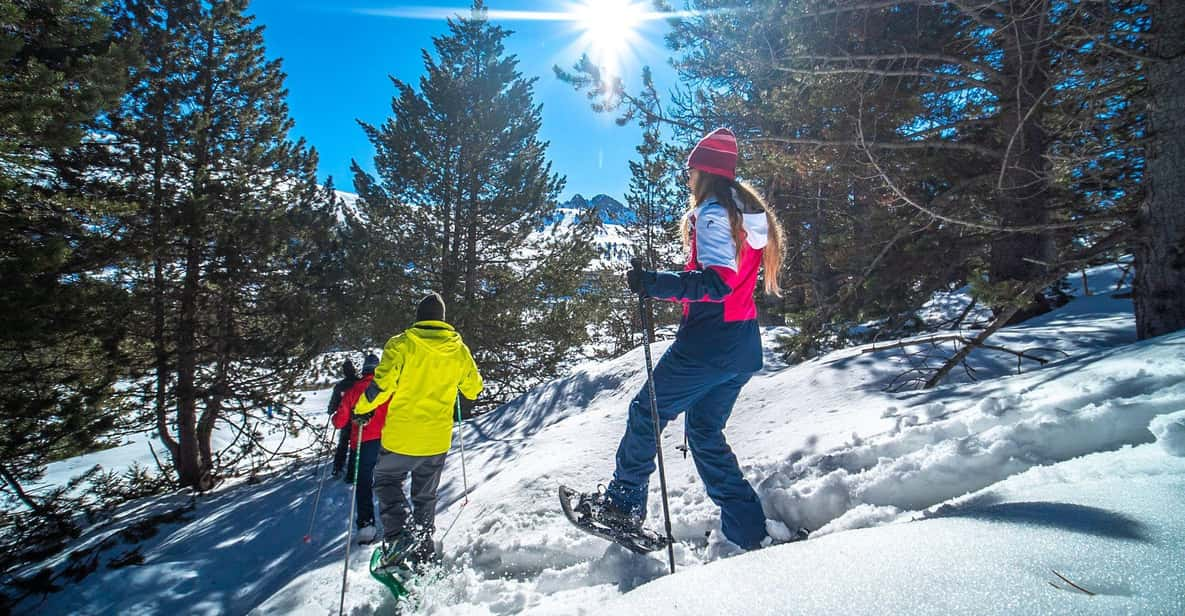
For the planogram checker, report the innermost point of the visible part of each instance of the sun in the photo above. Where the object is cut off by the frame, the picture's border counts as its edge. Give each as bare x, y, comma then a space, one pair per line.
609, 31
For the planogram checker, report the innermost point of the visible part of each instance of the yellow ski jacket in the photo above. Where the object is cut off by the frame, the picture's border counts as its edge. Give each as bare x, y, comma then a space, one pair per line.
420, 373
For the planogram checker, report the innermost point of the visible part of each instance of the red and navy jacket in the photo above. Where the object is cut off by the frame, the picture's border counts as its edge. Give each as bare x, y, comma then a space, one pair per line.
341, 419
719, 325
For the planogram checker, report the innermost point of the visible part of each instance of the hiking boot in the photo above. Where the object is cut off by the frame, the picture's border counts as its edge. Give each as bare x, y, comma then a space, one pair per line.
367, 532
601, 509
397, 551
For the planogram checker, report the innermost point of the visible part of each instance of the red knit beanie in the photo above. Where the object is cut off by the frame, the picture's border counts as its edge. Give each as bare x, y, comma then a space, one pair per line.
716, 153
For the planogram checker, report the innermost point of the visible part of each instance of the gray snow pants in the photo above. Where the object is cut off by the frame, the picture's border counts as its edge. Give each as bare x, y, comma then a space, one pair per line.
390, 473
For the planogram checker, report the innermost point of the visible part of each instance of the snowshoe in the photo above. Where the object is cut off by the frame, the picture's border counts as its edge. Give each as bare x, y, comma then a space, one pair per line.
589, 513
391, 563
394, 578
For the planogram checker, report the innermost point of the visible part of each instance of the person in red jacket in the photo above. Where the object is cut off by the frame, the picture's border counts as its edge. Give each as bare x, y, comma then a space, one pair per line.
371, 432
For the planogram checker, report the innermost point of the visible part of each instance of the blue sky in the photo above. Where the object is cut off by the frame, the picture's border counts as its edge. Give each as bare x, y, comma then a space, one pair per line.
338, 60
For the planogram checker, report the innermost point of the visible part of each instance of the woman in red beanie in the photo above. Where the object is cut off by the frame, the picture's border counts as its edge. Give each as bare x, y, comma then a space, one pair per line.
730, 235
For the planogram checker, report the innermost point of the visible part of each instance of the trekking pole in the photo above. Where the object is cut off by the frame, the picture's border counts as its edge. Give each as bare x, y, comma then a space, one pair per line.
662, 471
350, 528
461, 441
308, 536
464, 479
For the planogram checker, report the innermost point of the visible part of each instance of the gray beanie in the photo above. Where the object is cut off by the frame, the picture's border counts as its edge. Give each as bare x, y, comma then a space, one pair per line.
431, 308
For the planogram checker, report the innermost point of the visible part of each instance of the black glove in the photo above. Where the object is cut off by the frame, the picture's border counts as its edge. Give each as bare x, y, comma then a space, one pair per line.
468, 409
637, 278
362, 420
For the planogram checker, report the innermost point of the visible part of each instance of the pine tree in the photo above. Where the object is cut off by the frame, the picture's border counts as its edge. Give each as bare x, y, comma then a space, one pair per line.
235, 234
908, 146
60, 327
462, 194
657, 197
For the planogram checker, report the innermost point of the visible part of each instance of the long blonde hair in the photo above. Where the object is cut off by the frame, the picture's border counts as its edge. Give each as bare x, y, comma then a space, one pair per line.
704, 185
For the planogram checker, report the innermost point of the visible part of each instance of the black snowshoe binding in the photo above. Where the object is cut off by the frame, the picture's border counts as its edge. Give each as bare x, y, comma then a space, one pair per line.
596, 515
799, 534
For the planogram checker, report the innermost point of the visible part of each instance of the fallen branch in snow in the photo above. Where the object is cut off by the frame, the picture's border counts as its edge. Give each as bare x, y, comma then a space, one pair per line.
922, 367
971, 344
963, 315
1064, 579
1024, 354
1054, 273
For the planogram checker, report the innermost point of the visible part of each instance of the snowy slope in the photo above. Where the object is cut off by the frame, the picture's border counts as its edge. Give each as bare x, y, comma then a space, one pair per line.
827, 448
1109, 522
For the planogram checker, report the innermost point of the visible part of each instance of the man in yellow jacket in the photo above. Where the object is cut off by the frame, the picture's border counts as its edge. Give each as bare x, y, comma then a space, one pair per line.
420, 373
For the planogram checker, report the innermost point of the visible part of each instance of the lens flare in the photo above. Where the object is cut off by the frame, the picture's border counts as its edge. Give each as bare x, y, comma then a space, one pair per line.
610, 31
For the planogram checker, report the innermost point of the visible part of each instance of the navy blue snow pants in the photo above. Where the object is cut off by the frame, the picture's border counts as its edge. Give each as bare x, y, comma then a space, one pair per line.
365, 492
706, 395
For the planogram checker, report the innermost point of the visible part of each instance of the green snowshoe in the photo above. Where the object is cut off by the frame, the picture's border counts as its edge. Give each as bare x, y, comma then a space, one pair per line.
392, 579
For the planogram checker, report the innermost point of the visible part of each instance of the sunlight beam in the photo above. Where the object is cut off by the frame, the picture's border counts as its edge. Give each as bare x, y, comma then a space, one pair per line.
437, 12
608, 31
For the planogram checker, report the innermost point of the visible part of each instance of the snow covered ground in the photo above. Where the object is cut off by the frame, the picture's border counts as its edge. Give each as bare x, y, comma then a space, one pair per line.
961, 499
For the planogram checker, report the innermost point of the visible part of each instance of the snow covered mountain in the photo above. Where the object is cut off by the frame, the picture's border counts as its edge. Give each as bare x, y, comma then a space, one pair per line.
1018, 493
613, 244
614, 247
610, 210
612, 241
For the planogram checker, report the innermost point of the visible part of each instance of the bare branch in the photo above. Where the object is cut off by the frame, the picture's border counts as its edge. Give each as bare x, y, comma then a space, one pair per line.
883, 145
1023, 354
20, 492
1056, 272
856, 70
892, 186
992, 74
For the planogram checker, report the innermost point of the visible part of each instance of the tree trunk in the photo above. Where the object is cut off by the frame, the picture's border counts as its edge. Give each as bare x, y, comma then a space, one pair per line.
447, 279
471, 243
160, 349
822, 277
1024, 179
189, 470
452, 265
1159, 289
221, 389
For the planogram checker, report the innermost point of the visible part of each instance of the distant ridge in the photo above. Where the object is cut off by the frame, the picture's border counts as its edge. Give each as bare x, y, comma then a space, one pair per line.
611, 210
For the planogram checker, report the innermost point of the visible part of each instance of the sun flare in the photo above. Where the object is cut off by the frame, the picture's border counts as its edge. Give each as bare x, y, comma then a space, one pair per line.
609, 30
